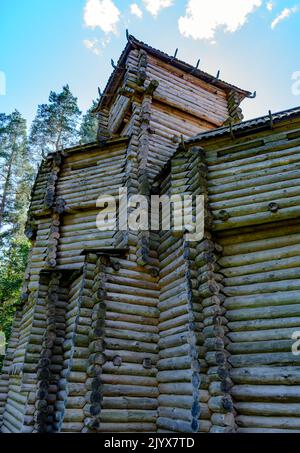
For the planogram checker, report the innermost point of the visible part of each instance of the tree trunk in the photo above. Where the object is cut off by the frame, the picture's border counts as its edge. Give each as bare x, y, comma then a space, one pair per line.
7, 183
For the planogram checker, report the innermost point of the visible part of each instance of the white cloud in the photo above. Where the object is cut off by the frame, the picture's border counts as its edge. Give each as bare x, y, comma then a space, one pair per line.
270, 6
154, 6
287, 12
203, 18
136, 10
92, 45
103, 14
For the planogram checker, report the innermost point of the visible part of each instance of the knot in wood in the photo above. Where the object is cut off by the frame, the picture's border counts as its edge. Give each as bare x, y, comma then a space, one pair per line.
117, 360
224, 215
273, 207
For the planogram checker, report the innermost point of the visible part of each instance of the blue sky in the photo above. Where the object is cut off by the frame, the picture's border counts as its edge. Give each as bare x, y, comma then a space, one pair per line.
48, 43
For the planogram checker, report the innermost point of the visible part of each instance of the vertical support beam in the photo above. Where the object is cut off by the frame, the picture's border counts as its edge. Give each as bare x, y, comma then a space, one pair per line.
44, 372
57, 206
143, 247
96, 347
71, 398
143, 180
43, 299
123, 239
210, 290
181, 355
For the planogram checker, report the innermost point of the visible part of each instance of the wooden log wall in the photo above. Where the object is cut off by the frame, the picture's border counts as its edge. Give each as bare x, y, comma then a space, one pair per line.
255, 180
180, 322
27, 351
22, 379
262, 306
45, 230
39, 252
35, 328
220, 410
33, 364
117, 115
40, 187
124, 393
84, 177
50, 362
253, 304
182, 105
188, 93
103, 131
181, 364
191, 294
9, 383
245, 285
109, 376
73, 389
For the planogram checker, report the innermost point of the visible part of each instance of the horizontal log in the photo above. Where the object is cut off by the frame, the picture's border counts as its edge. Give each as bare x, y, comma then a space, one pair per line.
127, 416
176, 425
266, 393
269, 422
127, 427
127, 402
129, 390
269, 409
286, 375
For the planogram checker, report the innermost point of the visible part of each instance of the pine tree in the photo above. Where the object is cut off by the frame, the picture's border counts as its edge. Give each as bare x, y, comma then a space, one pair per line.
16, 180
14, 157
89, 125
18, 215
55, 125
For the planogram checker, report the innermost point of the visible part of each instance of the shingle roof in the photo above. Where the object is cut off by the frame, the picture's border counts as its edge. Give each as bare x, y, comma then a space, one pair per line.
248, 125
133, 43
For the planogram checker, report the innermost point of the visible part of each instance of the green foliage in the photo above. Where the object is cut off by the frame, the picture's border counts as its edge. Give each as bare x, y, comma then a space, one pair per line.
16, 172
56, 124
16, 177
12, 268
89, 125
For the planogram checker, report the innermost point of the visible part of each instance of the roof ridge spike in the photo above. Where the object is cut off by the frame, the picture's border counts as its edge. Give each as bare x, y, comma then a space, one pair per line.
134, 43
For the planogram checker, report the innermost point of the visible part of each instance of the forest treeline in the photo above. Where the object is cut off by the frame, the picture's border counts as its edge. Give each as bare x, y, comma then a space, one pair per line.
57, 125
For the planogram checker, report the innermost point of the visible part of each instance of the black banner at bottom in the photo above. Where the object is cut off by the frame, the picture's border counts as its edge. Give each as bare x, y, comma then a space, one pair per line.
149, 442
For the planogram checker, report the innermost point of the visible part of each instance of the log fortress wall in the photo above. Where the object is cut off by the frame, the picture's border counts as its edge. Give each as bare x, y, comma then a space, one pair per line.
145, 331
